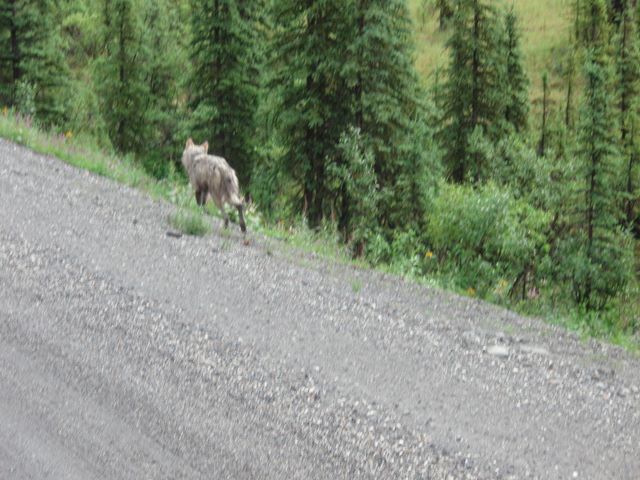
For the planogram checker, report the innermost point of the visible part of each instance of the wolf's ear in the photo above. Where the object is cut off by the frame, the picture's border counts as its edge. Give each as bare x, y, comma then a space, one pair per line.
206, 147
189, 143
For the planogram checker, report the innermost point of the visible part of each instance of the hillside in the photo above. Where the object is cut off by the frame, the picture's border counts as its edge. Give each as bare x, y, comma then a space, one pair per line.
545, 26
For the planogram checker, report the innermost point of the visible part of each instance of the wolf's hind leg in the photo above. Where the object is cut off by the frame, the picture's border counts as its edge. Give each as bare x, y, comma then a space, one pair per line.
201, 196
243, 227
220, 205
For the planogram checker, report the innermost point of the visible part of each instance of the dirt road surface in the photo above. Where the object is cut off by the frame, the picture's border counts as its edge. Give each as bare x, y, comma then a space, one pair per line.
129, 354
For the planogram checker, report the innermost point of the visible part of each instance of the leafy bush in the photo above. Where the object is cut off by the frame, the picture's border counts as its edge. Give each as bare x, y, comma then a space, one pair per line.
482, 237
378, 250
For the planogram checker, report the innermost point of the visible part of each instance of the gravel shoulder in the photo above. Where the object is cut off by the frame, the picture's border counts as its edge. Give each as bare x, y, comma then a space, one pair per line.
126, 353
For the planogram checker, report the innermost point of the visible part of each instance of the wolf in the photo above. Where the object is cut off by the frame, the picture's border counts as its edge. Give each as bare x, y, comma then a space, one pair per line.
212, 175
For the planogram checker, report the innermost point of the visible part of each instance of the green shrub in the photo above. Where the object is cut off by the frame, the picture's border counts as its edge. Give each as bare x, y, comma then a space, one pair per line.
26, 98
378, 250
482, 237
595, 278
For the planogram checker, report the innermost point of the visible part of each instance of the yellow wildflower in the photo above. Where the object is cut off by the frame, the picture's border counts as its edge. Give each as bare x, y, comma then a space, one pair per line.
68, 134
428, 254
471, 292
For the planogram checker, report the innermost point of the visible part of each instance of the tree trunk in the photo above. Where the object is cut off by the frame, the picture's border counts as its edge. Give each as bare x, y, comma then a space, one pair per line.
16, 71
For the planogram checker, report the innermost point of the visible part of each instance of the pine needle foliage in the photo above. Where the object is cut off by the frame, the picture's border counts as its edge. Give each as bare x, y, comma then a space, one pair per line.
389, 110
32, 67
473, 100
517, 103
121, 75
598, 259
163, 63
627, 58
592, 25
314, 101
224, 93
342, 65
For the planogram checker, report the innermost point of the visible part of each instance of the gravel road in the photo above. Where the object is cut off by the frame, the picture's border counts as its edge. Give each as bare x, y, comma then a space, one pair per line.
129, 354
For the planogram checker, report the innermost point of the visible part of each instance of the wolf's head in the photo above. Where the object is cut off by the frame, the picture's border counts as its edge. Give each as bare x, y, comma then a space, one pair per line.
191, 151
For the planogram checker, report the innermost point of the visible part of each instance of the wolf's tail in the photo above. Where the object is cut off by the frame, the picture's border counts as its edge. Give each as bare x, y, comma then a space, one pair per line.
232, 189
233, 194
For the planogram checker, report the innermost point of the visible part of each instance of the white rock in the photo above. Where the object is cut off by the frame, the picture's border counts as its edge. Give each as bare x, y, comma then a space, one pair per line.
501, 351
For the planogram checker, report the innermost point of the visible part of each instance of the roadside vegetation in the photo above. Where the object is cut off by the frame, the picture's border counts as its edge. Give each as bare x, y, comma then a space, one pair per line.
189, 222
423, 138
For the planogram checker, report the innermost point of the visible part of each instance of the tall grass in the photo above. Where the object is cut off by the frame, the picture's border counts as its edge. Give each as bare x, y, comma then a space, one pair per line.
189, 222
81, 152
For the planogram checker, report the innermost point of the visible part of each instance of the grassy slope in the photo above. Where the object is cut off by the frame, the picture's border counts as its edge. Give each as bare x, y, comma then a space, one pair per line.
545, 26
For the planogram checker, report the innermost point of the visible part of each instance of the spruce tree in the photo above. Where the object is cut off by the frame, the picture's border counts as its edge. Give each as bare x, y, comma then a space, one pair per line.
628, 88
32, 69
517, 105
223, 89
598, 259
121, 76
592, 29
616, 11
349, 64
544, 130
165, 66
474, 99
570, 79
388, 111
445, 9
314, 102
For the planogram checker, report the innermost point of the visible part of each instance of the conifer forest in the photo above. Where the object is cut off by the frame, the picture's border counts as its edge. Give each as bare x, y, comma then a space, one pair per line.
446, 140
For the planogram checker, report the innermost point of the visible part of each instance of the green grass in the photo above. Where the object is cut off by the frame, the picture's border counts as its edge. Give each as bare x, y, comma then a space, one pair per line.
79, 152
595, 325
189, 222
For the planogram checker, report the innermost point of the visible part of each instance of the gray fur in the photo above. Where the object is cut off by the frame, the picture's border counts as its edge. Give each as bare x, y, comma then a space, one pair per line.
212, 175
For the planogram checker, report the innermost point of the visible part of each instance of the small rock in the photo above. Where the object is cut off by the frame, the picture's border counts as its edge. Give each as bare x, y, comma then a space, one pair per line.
535, 350
470, 339
500, 351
